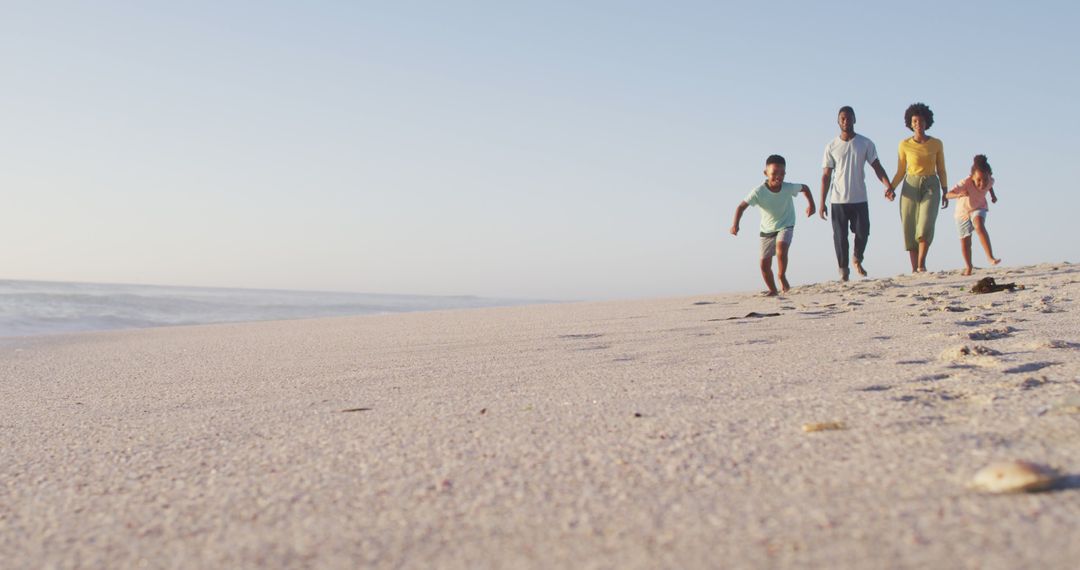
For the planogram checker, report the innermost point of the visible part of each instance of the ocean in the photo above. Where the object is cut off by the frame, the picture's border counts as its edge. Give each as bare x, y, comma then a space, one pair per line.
42, 307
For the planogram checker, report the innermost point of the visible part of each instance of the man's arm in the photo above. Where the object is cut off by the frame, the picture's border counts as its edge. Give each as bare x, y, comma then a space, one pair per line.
809, 200
826, 182
879, 171
738, 216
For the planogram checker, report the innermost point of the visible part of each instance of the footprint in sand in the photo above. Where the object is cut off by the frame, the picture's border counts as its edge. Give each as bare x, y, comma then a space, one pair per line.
977, 355
757, 341
583, 336
1049, 344
1032, 383
928, 397
991, 333
875, 388
1029, 367
932, 377
975, 321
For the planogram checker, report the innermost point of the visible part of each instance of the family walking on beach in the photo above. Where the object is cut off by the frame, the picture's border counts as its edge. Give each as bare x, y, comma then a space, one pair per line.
921, 168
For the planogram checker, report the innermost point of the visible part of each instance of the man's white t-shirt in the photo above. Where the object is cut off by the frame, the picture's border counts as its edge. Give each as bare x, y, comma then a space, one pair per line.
847, 159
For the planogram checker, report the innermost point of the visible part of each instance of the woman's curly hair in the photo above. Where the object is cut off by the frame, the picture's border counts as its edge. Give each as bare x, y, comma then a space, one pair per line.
921, 110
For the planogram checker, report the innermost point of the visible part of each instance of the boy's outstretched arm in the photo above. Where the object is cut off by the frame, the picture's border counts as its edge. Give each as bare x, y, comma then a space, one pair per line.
738, 216
809, 200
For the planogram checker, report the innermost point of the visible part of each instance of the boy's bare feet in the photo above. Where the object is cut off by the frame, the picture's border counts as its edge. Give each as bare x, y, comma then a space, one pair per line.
770, 293
966, 271
784, 285
859, 269
994, 261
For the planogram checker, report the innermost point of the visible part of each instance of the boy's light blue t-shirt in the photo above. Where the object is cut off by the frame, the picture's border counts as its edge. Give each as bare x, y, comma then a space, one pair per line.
777, 208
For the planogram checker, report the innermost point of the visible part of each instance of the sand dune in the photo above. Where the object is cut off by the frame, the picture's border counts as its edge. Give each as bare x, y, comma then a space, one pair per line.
645, 434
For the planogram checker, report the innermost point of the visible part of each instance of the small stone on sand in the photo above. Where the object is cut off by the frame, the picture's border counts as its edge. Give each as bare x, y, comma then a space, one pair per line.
1014, 477
823, 426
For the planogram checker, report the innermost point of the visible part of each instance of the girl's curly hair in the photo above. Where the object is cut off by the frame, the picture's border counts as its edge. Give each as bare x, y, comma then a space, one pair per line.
921, 110
982, 165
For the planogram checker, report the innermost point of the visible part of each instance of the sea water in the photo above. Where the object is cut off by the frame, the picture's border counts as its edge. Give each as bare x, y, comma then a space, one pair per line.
41, 307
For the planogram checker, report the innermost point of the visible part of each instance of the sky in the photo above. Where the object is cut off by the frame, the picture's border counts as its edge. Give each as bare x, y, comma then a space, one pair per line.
547, 150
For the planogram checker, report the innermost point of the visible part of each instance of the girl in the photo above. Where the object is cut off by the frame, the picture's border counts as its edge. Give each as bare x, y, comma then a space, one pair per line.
971, 209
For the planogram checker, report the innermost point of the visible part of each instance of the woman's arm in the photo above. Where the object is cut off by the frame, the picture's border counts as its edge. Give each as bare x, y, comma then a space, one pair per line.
942, 177
901, 166
941, 165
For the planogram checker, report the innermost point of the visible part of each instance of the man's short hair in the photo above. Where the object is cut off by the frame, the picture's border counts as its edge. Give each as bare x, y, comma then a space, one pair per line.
846, 109
775, 159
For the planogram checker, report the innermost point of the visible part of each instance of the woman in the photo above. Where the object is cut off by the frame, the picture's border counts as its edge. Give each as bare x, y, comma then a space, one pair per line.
922, 168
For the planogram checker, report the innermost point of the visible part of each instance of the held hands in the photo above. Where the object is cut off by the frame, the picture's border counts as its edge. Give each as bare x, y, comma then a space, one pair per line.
890, 194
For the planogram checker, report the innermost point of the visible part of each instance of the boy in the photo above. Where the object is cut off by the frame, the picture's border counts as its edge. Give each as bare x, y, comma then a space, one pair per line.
775, 198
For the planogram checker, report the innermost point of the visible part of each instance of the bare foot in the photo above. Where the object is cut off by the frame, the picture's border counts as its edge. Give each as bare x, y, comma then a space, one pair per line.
784, 285
859, 269
769, 293
994, 261
966, 271
844, 273
921, 270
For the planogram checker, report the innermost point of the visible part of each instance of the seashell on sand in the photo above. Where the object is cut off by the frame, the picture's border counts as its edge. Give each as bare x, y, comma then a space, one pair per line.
1014, 477
823, 426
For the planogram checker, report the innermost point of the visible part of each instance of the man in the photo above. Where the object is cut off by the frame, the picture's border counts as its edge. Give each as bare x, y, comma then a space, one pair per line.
844, 173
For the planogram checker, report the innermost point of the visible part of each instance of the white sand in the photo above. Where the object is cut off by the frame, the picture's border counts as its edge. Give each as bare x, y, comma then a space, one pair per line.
607, 435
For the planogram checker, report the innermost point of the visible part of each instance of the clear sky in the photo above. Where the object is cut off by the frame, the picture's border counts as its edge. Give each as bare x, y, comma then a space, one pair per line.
567, 150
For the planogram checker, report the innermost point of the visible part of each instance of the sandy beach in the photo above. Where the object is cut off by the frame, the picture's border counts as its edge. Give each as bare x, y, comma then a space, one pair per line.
636, 434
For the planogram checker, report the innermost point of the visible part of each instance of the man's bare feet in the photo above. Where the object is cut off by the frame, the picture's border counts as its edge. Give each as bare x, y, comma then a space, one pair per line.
859, 269
994, 261
966, 271
844, 273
